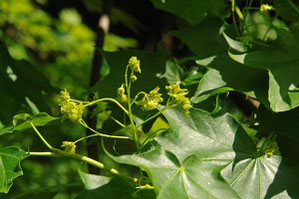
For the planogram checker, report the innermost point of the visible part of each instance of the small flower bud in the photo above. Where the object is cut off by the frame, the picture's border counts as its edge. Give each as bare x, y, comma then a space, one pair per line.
121, 96
134, 78
265, 7
69, 147
121, 90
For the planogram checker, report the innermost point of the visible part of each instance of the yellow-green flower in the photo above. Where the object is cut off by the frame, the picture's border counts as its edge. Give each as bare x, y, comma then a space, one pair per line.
134, 64
151, 101
69, 147
174, 90
73, 110
64, 97
179, 95
265, 7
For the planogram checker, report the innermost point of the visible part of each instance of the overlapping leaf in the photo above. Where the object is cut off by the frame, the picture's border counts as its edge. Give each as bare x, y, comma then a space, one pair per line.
193, 11
204, 39
92, 181
112, 188
226, 74
10, 158
263, 177
286, 129
282, 62
20, 82
151, 63
21, 122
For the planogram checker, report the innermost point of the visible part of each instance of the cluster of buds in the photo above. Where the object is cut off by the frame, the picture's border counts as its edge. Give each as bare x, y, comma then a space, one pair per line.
73, 110
69, 147
151, 100
179, 95
134, 65
122, 97
265, 7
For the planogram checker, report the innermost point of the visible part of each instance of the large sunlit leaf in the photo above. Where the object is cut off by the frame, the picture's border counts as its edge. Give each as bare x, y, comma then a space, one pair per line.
188, 158
10, 158
193, 11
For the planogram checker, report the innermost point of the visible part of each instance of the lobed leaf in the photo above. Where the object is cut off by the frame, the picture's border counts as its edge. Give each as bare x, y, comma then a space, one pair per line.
10, 158
191, 158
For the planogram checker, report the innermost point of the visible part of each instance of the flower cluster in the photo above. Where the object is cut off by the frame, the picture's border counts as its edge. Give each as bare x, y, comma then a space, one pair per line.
151, 101
72, 109
265, 7
134, 64
69, 147
179, 95
122, 97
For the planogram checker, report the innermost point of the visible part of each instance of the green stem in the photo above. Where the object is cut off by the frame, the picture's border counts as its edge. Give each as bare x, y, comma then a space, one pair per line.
135, 98
128, 88
82, 158
41, 137
234, 18
58, 152
102, 134
115, 120
40, 189
86, 137
108, 99
245, 15
157, 114
293, 6
239, 13
79, 101
269, 28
